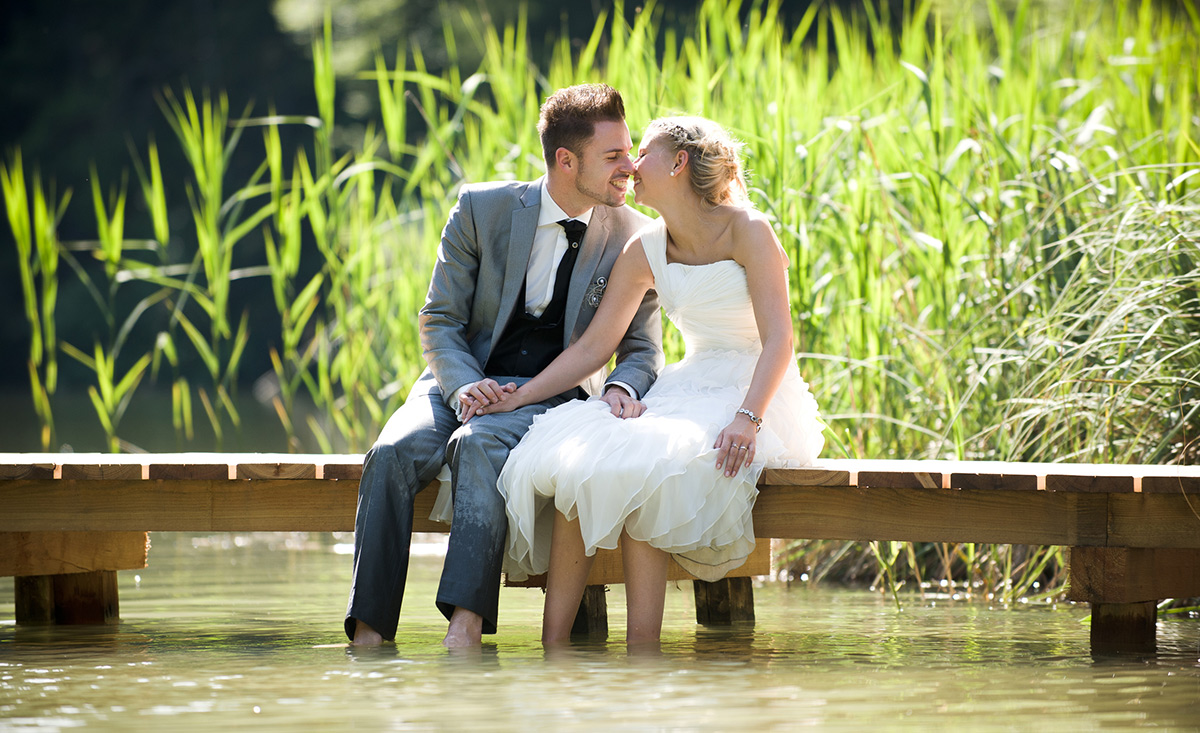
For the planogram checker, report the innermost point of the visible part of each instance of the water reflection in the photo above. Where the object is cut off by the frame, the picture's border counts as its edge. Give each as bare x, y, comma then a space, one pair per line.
227, 632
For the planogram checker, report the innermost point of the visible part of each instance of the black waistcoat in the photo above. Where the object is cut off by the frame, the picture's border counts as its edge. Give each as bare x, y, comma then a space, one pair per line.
529, 343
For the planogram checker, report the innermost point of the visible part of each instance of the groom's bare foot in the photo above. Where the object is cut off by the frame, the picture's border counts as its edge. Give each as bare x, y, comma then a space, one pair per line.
364, 635
466, 629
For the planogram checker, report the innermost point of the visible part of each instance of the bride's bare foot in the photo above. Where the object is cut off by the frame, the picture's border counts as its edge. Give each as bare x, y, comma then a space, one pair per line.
364, 635
466, 629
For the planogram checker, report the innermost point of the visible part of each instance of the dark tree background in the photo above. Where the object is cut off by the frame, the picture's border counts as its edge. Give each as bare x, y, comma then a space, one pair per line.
80, 85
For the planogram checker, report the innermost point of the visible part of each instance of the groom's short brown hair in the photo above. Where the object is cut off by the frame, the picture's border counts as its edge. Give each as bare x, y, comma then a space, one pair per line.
569, 116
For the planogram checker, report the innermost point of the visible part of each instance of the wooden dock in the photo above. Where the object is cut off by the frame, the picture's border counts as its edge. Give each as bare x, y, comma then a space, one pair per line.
69, 521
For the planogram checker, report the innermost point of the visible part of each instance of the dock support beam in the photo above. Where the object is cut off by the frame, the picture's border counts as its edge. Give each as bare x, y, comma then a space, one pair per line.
1124, 627
592, 618
69, 577
724, 602
1124, 585
73, 598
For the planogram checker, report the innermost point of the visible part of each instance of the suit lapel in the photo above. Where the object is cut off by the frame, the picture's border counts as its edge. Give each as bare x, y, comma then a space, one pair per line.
590, 253
520, 246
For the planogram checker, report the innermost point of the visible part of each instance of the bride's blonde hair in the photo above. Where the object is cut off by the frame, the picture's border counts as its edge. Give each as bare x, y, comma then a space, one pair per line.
714, 158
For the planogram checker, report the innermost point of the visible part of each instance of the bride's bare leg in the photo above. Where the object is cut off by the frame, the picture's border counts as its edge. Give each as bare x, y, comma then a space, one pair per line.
645, 589
565, 581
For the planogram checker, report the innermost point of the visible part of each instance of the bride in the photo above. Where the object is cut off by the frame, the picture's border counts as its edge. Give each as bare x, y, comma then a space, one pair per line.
679, 480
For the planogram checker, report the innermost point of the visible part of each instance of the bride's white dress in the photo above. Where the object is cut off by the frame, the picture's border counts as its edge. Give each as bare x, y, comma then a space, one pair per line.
655, 475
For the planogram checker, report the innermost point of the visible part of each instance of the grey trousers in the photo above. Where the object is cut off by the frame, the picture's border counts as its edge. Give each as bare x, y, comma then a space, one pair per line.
422, 435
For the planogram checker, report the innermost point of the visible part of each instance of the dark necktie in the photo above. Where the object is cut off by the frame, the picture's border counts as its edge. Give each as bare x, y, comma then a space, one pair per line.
562, 278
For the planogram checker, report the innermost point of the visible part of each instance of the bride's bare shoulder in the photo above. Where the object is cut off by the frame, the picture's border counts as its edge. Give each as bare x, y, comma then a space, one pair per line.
753, 233
633, 257
746, 220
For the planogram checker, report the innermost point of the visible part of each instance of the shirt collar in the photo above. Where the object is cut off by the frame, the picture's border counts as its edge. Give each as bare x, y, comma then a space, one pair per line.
552, 213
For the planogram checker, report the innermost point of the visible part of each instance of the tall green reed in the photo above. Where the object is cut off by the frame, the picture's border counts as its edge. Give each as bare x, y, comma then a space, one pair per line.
220, 223
33, 214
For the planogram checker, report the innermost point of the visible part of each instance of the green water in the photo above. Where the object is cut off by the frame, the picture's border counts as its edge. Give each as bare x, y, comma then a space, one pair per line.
245, 631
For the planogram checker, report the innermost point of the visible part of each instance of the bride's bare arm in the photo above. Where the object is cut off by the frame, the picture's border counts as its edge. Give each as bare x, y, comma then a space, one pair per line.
627, 284
757, 249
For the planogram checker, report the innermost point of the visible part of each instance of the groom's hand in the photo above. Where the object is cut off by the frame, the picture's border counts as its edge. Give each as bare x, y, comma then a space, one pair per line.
485, 392
621, 404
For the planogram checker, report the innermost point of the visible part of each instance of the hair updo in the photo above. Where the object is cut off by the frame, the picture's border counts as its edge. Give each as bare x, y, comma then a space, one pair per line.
714, 158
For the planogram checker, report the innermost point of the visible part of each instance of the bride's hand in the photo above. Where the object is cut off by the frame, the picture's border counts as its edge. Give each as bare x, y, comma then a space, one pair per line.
736, 445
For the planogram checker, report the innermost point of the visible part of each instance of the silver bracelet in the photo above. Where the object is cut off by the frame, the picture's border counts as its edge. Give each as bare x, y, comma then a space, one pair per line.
753, 418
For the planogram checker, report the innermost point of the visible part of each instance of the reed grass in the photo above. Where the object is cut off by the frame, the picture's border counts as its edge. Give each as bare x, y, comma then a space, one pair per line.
992, 226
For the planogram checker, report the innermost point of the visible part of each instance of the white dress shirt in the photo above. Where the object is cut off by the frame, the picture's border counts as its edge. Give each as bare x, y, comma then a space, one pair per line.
549, 246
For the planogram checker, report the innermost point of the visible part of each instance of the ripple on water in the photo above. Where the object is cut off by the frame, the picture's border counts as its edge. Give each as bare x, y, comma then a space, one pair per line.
221, 633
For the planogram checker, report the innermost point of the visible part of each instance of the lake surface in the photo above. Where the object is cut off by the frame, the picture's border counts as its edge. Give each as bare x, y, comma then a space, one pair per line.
245, 631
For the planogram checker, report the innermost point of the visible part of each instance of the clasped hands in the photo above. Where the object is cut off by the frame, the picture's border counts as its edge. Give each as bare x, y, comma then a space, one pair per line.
487, 396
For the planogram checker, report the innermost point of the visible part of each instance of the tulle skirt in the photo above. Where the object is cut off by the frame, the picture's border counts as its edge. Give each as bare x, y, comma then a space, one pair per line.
655, 475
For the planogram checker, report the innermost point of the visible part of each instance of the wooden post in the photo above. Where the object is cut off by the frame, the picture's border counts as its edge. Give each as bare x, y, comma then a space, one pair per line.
592, 618
34, 599
1123, 586
724, 602
1124, 627
74, 598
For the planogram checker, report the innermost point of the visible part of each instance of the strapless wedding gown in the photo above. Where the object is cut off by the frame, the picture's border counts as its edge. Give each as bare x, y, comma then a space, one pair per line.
655, 475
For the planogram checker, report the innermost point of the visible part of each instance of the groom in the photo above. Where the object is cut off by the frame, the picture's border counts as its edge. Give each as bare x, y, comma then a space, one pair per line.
520, 271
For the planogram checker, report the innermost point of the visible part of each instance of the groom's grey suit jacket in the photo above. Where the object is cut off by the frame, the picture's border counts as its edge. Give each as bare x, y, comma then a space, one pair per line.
481, 264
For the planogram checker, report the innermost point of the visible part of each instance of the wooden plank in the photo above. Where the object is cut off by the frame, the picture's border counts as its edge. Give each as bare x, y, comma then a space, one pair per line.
915, 478
281, 470
1153, 520
16, 465
932, 515
188, 471
815, 476
1132, 575
1189, 485
102, 471
993, 481
344, 471
53, 553
1068, 482
285, 505
923, 515
26, 470
17, 459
